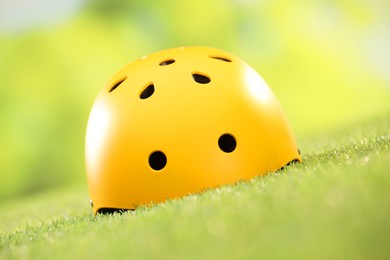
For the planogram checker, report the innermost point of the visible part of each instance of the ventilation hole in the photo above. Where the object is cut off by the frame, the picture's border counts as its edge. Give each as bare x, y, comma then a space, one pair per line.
288, 164
91, 202
111, 210
227, 143
147, 92
157, 160
167, 62
299, 151
292, 162
220, 58
117, 84
201, 79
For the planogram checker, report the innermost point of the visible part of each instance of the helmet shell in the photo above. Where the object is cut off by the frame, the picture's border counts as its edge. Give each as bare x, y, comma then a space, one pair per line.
179, 121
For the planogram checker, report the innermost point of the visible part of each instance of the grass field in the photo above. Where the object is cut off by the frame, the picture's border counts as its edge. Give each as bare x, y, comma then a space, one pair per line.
334, 205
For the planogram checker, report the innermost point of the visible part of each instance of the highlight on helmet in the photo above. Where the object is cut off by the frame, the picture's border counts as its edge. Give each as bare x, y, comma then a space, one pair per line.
179, 121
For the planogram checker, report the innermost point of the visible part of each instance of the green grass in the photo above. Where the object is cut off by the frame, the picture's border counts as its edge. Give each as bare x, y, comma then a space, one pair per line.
335, 205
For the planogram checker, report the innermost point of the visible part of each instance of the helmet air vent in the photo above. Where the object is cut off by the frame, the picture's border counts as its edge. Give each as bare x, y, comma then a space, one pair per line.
227, 143
157, 160
201, 79
118, 83
220, 58
147, 92
167, 62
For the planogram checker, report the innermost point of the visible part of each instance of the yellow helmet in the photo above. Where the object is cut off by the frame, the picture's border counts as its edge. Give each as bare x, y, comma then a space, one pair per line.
179, 121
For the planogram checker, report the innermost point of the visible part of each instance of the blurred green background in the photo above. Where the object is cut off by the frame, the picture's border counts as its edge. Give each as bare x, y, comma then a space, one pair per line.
327, 61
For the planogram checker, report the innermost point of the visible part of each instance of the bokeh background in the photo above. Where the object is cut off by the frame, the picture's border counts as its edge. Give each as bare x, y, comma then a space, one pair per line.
328, 62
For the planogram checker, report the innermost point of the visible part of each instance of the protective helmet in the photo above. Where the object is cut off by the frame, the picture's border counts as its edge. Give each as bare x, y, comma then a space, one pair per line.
179, 121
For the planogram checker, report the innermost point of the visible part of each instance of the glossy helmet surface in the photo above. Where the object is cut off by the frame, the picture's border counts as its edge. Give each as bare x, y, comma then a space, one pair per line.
179, 121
